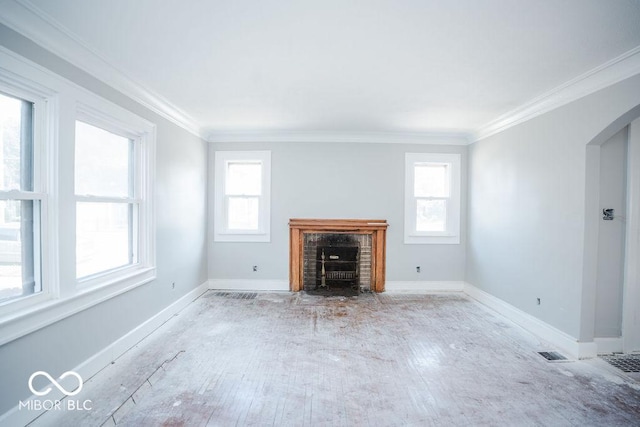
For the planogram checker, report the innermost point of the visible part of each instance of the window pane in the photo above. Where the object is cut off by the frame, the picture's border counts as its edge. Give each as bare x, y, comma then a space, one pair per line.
103, 237
431, 180
431, 215
242, 213
16, 121
102, 162
244, 178
19, 275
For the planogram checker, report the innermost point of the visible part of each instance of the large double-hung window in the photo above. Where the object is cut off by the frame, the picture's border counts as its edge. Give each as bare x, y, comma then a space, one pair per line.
76, 198
106, 208
20, 201
113, 228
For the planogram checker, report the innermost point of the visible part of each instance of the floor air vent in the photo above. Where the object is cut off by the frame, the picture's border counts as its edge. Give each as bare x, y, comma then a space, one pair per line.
237, 295
551, 355
624, 362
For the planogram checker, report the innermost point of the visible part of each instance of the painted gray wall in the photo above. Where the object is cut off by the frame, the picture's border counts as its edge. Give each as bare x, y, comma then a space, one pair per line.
526, 217
180, 187
611, 237
356, 180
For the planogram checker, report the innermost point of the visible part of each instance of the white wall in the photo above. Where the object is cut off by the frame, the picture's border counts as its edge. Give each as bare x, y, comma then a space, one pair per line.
526, 215
611, 236
181, 244
357, 180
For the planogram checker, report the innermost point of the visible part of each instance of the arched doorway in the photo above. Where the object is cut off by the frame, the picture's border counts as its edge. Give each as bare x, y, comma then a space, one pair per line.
612, 245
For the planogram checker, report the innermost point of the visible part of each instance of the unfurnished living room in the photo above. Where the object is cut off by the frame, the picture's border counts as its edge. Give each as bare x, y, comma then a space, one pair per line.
320, 213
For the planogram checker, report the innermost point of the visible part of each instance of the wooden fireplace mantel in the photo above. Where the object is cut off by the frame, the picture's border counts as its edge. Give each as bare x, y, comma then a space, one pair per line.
377, 228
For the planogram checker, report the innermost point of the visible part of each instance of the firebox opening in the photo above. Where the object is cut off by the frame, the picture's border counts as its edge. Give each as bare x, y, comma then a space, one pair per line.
337, 264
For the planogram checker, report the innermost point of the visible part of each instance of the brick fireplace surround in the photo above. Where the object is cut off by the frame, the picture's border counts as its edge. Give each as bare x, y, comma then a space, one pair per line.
374, 227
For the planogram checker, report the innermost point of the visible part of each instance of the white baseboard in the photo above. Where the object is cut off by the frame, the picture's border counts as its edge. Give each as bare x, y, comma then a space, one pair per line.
249, 285
423, 286
97, 362
609, 345
554, 336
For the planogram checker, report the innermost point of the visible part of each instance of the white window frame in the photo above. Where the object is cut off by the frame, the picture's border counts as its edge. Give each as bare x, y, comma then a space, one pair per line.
56, 101
221, 231
452, 233
45, 117
113, 119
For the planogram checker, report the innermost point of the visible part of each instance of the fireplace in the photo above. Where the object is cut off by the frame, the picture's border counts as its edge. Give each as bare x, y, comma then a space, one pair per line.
337, 254
336, 263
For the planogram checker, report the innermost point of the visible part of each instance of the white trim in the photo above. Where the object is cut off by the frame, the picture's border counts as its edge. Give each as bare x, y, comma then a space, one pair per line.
98, 112
607, 74
27, 19
554, 336
249, 285
430, 138
631, 287
419, 287
18, 79
608, 345
221, 233
103, 358
30, 319
451, 235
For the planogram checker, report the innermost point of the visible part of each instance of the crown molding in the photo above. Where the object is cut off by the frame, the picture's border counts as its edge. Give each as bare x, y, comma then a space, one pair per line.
27, 19
432, 138
607, 74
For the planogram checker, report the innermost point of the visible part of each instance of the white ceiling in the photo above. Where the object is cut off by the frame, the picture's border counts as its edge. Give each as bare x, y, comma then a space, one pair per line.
367, 66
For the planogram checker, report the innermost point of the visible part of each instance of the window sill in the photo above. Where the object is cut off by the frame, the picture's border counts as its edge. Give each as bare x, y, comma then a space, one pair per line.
48, 312
431, 240
245, 237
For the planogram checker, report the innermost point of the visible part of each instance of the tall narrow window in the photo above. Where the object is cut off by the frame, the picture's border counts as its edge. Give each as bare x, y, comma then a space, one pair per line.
432, 198
20, 204
107, 206
242, 196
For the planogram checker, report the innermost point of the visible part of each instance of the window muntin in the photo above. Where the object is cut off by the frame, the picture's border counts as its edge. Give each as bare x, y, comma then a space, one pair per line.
20, 206
432, 198
242, 196
106, 204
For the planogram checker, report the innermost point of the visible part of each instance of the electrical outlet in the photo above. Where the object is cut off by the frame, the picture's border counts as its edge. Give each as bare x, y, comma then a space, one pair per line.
418, 269
173, 285
255, 268
538, 299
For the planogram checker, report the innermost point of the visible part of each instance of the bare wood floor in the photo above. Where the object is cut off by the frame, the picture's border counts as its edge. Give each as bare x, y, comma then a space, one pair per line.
375, 360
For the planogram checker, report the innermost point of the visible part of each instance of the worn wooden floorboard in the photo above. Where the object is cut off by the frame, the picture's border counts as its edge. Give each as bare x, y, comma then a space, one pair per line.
375, 360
